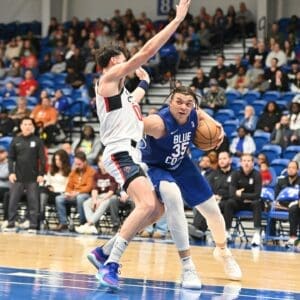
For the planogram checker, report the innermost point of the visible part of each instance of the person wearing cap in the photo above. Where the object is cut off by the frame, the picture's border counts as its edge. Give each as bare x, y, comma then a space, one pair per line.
4, 183
215, 97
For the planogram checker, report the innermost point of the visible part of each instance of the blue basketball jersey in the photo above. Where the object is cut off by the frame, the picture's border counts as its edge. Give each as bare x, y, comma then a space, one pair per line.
169, 151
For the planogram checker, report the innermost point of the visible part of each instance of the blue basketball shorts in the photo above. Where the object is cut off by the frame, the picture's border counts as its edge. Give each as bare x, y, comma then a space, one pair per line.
193, 186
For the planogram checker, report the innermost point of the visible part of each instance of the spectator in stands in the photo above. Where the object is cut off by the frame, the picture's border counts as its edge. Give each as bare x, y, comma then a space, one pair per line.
15, 69
203, 16
271, 72
204, 165
250, 119
289, 51
295, 86
294, 115
216, 70
21, 111
215, 97
294, 69
29, 85
55, 180
68, 148
76, 80
254, 72
6, 124
103, 192
240, 81
245, 21
243, 143
88, 143
79, 186
116, 204
270, 116
200, 82
217, 29
244, 194
4, 184
204, 36
9, 90
282, 133
265, 174
277, 53
261, 84
46, 64
276, 34
59, 65
26, 163
234, 68
291, 180
279, 82
60, 102
13, 49
181, 46
46, 118
259, 53
77, 61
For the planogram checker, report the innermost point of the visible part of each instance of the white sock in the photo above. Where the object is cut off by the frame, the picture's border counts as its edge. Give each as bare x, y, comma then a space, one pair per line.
187, 263
117, 250
109, 245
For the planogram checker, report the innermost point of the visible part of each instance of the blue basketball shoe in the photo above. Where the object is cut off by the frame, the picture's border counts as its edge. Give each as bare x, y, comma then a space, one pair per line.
97, 257
108, 275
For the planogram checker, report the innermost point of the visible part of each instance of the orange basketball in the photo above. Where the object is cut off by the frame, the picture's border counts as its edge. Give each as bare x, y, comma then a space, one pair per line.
207, 135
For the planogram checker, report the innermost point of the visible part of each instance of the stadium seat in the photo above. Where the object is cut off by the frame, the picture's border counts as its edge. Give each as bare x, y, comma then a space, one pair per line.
291, 151
259, 106
287, 96
230, 126
261, 138
9, 103
251, 96
224, 114
279, 165
233, 95
271, 95
237, 105
5, 141
209, 111
271, 151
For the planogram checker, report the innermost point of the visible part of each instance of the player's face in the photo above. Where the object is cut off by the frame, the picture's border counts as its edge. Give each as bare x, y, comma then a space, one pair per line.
181, 106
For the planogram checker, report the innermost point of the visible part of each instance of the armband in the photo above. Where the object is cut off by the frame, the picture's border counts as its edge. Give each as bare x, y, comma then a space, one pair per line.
144, 85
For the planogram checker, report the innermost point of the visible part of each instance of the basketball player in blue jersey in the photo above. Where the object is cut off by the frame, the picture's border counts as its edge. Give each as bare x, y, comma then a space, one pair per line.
121, 128
175, 177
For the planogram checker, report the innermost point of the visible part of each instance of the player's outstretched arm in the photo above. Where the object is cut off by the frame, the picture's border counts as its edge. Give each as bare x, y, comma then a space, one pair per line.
151, 47
139, 93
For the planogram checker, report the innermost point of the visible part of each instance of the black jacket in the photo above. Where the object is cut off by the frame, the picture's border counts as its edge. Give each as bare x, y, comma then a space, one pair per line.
251, 183
26, 158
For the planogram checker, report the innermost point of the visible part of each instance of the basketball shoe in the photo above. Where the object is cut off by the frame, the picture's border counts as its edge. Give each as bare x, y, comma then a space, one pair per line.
231, 267
108, 275
190, 279
97, 257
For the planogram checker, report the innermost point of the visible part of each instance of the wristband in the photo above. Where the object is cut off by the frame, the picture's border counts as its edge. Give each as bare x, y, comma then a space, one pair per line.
144, 85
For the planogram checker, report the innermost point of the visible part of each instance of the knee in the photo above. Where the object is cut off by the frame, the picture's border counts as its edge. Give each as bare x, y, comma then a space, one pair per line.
59, 200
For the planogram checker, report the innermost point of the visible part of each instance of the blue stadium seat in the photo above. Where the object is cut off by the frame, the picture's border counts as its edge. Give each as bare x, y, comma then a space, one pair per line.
261, 138
230, 126
271, 151
287, 96
46, 83
237, 105
78, 108
32, 100
251, 96
9, 103
5, 141
290, 151
233, 95
209, 111
279, 165
259, 106
224, 114
271, 95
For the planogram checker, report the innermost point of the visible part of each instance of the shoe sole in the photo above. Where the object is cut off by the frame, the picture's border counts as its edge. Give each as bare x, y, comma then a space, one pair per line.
105, 284
191, 287
94, 261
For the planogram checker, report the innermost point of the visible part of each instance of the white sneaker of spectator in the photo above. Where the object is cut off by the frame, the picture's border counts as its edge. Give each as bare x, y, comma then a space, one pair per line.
24, 225
4, 224
291, 242
255, 239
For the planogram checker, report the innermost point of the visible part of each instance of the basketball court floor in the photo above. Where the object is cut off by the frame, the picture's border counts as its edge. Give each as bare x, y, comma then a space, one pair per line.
54, 266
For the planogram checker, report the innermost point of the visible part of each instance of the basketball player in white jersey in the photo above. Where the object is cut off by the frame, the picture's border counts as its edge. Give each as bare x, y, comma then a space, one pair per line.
121, 127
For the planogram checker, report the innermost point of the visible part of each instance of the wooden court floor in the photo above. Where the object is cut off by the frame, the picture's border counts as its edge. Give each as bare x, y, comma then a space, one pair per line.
148, 260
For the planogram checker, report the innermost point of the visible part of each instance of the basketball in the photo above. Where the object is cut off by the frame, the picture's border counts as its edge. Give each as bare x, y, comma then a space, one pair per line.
207, 135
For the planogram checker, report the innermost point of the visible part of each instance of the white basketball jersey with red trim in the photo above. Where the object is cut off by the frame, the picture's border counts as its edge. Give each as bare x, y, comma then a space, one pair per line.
120, 118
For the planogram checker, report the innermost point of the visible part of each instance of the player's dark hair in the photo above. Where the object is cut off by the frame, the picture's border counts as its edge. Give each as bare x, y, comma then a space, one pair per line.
185, 90
104, 54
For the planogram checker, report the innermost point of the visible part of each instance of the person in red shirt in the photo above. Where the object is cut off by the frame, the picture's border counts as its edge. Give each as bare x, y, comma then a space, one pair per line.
29, 85
265, 173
